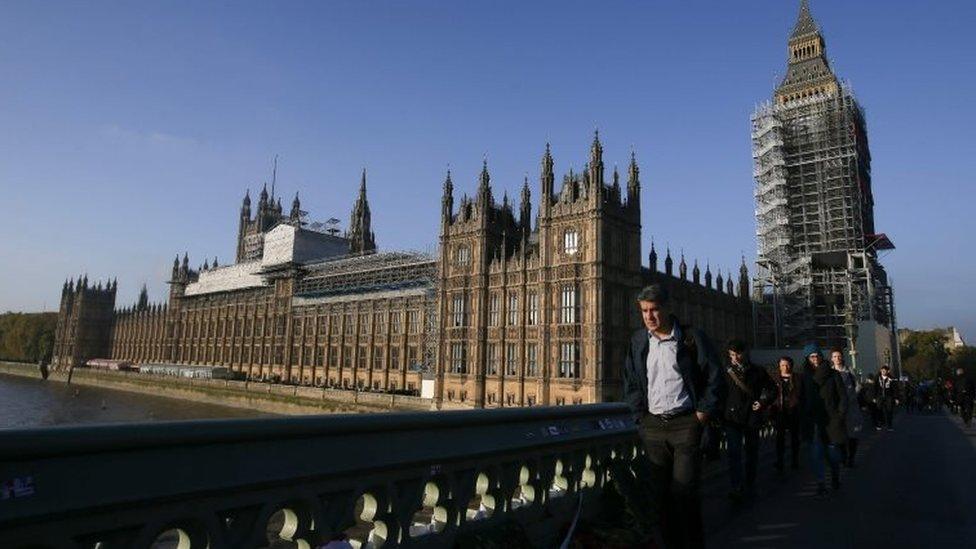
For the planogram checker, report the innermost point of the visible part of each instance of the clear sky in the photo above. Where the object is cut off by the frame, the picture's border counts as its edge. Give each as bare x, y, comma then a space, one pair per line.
130, 130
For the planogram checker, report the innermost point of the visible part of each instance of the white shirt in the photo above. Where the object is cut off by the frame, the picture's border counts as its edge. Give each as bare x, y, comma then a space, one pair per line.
666, 392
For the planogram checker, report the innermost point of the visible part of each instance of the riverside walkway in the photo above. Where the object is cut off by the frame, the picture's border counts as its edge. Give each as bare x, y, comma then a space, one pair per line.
912, 487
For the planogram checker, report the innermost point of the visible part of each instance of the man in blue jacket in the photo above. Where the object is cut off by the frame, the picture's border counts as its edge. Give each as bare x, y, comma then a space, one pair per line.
673, 382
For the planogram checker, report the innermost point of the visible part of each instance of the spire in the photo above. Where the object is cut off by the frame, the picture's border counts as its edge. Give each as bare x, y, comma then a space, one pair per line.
186, 263
805, 24
696, 273
728, 285
652, 258
808, 72
547, 178
176, 267
215, 262
743, 280
206, 265
361, 238
296, 208
633, 180
484, 190
246, 205
718, 282
596, 167
525, 208
615, 187
143, 302
669, 263
708, 275
447, 200
683, 267
263, 198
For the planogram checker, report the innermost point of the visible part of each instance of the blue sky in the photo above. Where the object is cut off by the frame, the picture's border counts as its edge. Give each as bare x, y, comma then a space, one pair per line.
130, 130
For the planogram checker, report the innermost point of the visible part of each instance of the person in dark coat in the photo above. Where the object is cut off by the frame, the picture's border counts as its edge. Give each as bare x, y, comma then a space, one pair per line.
750, 392
853, 419
785, 412
886, 397
673, 383
964, 392
824, 412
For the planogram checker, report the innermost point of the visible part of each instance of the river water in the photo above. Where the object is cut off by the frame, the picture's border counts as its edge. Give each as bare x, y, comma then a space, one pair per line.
26, 402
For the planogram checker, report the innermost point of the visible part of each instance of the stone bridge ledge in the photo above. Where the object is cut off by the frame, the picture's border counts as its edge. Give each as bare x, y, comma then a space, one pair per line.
385, 480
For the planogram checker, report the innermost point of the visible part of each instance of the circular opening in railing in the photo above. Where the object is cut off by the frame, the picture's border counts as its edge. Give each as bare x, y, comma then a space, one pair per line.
560, 484
367, 532
524, 493
588, 476
430, 518
174, 538
482, 504
282, 527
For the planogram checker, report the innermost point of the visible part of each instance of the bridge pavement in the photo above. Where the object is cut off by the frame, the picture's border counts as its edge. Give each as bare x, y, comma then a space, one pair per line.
913, 487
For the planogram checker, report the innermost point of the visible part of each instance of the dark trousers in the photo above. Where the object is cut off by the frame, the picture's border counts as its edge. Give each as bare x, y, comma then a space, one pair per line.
737, 437
787, 422
966, 411
674, 450
886, 413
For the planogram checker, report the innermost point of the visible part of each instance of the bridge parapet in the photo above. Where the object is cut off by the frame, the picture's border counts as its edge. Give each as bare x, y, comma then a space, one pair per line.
384, 480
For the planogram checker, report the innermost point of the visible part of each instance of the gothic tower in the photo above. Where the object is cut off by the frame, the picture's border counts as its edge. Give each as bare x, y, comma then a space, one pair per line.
361, 238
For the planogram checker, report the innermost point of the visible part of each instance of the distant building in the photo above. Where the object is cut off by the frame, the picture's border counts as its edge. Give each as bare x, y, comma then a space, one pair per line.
818, 277
520, 307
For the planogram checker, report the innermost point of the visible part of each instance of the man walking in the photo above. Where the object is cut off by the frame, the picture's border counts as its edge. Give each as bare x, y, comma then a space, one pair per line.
750, 391
673, 382
886, 397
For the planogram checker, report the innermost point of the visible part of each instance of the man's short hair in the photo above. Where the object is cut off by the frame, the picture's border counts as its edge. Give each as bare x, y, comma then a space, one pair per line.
656, 293
837, 350
788, 359
737, 346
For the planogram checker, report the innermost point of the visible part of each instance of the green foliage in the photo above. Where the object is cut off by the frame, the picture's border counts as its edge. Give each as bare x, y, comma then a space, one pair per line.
27, 336
924, 356
964, 358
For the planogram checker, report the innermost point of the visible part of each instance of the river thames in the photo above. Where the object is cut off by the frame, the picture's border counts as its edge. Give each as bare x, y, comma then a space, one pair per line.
26, 402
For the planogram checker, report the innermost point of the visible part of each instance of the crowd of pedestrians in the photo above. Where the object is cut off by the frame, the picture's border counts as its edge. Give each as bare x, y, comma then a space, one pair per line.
685, 396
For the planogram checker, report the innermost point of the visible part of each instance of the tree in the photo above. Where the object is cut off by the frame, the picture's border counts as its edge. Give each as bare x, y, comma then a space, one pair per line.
965, 358
924, 356
27, 336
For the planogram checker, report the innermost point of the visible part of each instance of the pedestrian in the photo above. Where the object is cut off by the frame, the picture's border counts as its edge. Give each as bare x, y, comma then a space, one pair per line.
965, 392
825, 405
750, 391
886, 397
853, 419
673, 383
785, 413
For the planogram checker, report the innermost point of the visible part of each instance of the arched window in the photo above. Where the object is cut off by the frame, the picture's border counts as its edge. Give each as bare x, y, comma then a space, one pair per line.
570, 242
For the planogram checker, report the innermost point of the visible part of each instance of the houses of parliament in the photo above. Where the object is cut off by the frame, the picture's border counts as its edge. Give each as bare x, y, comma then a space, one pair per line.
520, 306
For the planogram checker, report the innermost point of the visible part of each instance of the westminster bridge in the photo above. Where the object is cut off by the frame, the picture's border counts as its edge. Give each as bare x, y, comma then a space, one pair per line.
533, 477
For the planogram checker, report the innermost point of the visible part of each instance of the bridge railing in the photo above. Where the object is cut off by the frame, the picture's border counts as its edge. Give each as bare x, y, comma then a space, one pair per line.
382, 480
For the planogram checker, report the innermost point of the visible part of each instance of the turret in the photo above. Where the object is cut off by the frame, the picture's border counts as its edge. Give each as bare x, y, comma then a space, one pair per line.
525, 210
633, 182
652, 259
447, 200
361, 238
547, 178
143, 302
708, 276
296, 209
246, 205
743, 280
683, 268
696, 273
728, 285
483, 198
668, 263
718, 282
595, 171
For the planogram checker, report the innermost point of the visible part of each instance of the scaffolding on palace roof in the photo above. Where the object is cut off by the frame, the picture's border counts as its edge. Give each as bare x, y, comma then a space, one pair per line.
380, 272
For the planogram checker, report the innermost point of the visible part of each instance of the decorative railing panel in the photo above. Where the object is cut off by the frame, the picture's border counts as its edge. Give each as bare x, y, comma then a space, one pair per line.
383, 480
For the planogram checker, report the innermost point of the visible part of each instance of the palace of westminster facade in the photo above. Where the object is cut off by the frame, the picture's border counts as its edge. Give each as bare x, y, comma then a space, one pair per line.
512, 311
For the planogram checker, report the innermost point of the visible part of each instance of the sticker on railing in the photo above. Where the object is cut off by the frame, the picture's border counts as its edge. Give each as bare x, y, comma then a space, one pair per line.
18, 487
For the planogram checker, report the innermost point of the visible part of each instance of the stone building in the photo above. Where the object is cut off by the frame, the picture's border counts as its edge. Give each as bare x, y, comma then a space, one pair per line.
518, 308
